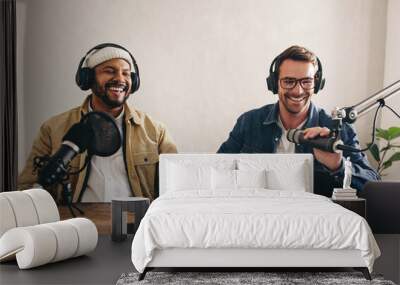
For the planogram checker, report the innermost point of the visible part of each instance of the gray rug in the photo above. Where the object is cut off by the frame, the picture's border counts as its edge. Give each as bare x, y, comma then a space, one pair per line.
229, 278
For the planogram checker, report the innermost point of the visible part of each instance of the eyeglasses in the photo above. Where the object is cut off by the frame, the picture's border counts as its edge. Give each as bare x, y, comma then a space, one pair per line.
306, 83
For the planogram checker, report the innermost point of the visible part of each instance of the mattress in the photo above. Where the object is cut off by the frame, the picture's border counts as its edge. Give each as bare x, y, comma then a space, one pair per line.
251, 219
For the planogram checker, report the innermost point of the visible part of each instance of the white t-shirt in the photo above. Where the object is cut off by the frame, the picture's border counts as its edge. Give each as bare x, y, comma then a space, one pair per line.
284, 145
108, 178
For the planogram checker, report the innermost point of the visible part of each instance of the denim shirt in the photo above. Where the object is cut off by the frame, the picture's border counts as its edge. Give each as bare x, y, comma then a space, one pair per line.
257, 131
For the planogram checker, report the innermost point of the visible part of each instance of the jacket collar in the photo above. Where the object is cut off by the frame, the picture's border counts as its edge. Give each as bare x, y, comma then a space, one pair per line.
273, 113
130, 113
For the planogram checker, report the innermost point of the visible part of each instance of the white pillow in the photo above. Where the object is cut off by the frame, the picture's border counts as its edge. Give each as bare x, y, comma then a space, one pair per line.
184, 177
251, 178
223, 179
283, 173
293, 179
235, 179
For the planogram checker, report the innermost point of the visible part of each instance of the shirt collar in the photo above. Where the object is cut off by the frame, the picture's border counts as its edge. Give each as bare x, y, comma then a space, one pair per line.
272, 117
312, 118
280, 124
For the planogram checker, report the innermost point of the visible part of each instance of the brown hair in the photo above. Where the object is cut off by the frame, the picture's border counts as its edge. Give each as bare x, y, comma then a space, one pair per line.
297, 53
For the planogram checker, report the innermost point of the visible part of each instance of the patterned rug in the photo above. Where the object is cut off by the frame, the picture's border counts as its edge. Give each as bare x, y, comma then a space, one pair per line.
270, 278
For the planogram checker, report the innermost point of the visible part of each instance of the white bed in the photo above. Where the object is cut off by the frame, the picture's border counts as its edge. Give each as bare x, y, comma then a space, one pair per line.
247, 210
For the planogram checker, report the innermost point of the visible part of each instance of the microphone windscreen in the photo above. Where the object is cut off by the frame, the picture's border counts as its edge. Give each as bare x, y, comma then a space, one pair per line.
106, 139
79, 134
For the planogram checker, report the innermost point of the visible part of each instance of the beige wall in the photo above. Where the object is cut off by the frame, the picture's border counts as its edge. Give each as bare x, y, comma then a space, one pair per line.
202, 63
392, 74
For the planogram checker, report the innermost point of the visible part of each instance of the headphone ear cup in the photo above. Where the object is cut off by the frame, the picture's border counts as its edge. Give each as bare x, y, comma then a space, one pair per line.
322, 84
135, 82
272, 82
269, 84
275, 83
319, 79
319, 83
85, 77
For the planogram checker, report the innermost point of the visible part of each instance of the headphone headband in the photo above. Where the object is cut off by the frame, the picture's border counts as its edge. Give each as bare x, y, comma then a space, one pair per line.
84, 77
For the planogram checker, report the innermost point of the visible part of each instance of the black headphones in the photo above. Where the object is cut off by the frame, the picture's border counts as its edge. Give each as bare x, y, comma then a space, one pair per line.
273, 78
84, 77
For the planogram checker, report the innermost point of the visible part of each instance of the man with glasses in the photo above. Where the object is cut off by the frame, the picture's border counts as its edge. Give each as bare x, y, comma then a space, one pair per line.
296, 75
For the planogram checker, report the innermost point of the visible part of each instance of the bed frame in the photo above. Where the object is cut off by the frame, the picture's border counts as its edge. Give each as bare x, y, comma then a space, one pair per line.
242, 259
246, 259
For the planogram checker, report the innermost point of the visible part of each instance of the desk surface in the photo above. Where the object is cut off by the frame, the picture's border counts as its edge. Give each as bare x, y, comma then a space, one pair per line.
98, 213
102, 266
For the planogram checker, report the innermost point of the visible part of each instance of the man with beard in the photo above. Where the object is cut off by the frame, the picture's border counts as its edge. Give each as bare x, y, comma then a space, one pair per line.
296, 78
110, 71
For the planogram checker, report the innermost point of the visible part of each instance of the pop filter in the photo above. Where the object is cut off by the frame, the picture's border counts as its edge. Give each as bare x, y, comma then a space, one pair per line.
105, 136
96, 132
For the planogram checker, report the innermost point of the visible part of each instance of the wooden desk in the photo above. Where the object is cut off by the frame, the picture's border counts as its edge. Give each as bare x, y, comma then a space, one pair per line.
99, 213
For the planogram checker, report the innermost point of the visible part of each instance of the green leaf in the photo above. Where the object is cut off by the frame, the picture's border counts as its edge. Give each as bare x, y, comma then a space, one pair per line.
393, 158
382, 133
374, 150
386, 164
393, 132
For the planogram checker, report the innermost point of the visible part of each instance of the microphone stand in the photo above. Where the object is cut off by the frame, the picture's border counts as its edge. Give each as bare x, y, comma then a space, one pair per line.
351, 114
67, 197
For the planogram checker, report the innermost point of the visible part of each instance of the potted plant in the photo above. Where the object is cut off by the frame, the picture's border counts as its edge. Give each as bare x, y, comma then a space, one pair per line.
386, 147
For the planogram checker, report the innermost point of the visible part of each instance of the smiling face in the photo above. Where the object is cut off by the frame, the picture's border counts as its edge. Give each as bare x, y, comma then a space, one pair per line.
295, 101
112, 84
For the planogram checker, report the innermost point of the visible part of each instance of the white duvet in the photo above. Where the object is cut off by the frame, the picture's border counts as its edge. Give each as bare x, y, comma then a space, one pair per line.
251, 218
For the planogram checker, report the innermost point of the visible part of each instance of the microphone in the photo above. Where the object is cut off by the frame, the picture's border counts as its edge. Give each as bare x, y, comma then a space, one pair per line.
75, 141
97, 133
330, 144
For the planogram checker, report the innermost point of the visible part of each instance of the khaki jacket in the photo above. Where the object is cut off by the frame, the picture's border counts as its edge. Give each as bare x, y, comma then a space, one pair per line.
143, 141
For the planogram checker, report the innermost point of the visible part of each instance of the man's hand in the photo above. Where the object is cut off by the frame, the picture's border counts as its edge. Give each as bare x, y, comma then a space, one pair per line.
329, 159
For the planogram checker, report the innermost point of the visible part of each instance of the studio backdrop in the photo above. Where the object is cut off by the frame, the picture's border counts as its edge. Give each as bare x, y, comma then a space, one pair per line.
202, 63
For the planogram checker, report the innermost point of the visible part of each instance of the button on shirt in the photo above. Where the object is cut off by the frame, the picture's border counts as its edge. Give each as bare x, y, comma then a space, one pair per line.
284, 145
108, 178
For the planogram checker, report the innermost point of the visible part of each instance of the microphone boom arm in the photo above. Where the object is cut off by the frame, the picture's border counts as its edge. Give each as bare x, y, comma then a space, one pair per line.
351, 114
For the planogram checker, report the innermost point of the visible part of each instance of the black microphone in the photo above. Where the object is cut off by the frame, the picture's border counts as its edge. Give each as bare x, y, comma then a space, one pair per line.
330, 144
97, 133
75, 141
